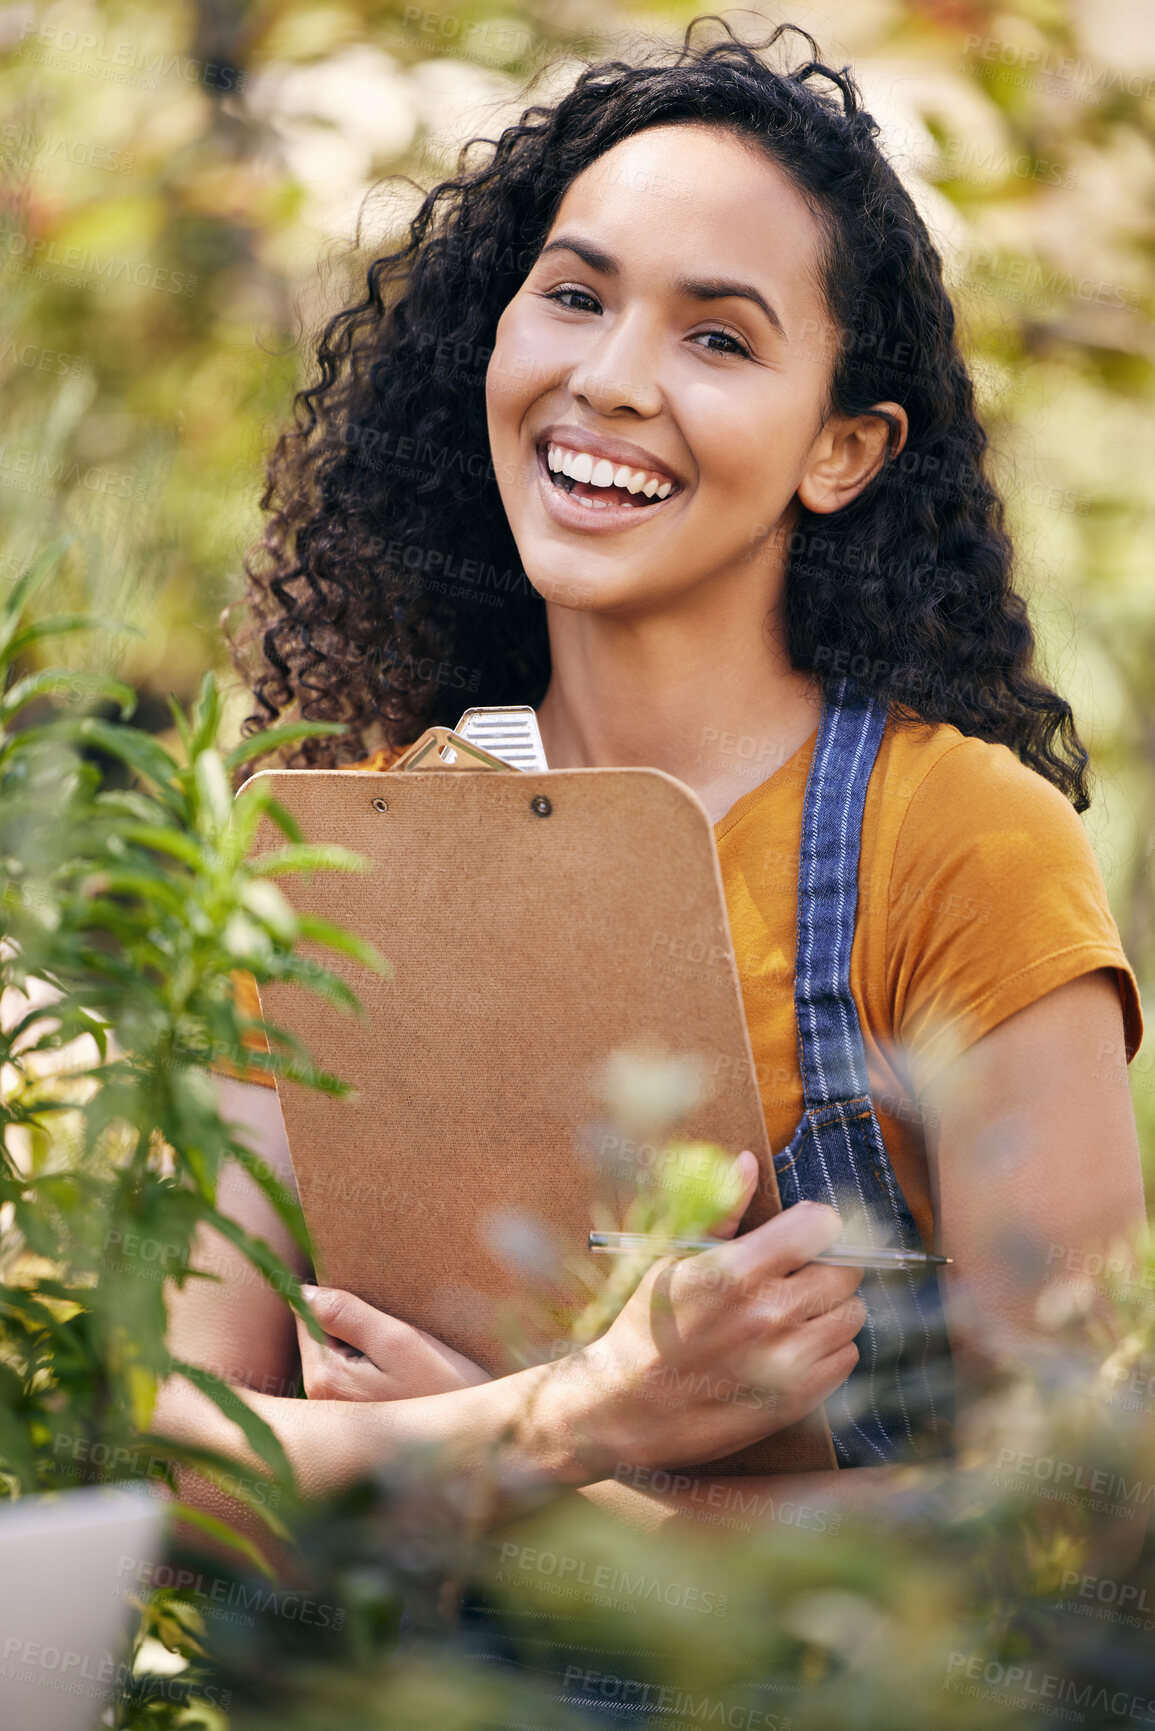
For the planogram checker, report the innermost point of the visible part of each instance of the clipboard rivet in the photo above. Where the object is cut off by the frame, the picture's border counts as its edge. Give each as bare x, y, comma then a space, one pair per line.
380, 805
541, 805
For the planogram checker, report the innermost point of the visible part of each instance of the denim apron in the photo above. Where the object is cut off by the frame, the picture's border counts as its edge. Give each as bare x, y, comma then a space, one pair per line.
898, 1401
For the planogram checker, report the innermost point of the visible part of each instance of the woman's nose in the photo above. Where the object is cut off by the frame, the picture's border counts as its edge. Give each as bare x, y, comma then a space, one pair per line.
619, 370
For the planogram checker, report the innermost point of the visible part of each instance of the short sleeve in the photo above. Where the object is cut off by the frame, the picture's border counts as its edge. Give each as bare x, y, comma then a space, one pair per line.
995, 899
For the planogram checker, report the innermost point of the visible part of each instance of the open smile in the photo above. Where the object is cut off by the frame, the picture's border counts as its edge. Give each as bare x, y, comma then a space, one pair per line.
584, 490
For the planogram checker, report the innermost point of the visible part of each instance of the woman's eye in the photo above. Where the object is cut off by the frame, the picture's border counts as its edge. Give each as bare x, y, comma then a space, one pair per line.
561, 296
738, 347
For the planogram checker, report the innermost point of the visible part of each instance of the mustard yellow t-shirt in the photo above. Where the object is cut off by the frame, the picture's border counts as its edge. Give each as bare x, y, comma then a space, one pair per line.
978, 894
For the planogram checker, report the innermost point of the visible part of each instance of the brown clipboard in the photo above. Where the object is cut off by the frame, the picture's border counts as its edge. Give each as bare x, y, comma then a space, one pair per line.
534, 924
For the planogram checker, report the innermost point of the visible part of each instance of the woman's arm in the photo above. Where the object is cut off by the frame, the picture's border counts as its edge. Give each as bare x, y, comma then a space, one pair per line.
561, 1424
236, 1325
1034, 1162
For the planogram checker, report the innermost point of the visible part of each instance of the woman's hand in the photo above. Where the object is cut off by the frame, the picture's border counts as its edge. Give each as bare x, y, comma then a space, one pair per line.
369, 1355
713, 1351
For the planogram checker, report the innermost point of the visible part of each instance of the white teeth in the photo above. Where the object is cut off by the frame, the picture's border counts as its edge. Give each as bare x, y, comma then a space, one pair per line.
600, 472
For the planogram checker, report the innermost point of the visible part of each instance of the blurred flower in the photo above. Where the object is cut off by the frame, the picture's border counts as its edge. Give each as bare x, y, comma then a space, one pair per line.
648, 1092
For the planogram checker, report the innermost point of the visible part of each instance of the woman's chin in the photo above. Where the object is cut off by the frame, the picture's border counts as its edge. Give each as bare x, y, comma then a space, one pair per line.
586, 593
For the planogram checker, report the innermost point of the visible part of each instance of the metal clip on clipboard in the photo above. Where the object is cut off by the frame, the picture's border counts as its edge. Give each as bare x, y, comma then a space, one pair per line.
510, 731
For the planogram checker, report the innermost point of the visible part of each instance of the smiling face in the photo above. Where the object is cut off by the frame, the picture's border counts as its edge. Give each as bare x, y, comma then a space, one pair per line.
657, 394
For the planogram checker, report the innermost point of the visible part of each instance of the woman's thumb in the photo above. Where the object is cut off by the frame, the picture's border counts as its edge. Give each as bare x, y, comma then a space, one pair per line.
341, 1314
747, 1165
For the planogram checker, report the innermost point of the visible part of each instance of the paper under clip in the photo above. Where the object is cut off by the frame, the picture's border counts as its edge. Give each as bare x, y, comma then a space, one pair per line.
509, 731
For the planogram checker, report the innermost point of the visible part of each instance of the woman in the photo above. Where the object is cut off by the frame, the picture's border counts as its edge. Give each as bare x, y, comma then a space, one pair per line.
671, 378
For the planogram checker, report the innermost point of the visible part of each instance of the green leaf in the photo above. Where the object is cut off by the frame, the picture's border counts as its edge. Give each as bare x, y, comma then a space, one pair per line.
266, 903
55, 679
283, 1201
220, 1470
260, 1436
170, 841
305, 858
261, 1255
276, 738
213, 787
180, 721
64, 625
206, 717
25, 588
346, 943
156, 886
16, 1449
138, 750
225, 1534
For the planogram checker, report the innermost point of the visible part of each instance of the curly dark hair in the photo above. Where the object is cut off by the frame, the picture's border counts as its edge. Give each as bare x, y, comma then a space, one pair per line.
387, 592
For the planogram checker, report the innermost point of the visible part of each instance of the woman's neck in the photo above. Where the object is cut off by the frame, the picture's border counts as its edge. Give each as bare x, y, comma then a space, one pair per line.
710, 699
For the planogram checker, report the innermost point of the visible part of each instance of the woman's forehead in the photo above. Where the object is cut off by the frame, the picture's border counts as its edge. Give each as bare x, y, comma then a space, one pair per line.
696, 199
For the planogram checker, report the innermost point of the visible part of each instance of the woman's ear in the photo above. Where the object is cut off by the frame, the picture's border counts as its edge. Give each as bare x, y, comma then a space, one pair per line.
849, 452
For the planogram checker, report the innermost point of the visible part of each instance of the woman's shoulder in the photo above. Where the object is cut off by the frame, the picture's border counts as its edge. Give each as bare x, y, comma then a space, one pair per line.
993, 892
968, 808
961, 785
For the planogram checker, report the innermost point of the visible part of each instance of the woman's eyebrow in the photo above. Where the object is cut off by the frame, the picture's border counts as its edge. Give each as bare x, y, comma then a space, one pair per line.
722, 288
591, 255
693, 288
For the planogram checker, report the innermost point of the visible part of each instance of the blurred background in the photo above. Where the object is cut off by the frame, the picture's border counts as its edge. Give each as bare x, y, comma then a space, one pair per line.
187, 190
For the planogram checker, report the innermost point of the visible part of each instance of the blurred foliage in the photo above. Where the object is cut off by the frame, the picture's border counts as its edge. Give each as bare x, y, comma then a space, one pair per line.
122, 912
1015, 1582
180, 193
179, 197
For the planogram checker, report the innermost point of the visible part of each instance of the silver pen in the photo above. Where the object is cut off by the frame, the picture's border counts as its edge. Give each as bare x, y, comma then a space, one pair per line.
838, 1256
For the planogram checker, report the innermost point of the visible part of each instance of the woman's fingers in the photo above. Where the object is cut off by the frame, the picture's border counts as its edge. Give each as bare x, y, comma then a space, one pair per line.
747, 1164
329, 1373
348, 1318
788, 1242
756, 1314
812, 1341
804, 1364
399, 1361
758, 1267
815, 1290
819, 1382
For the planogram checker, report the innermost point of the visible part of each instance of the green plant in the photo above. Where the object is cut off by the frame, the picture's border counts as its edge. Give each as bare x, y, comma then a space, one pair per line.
123, 910
974, 1600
